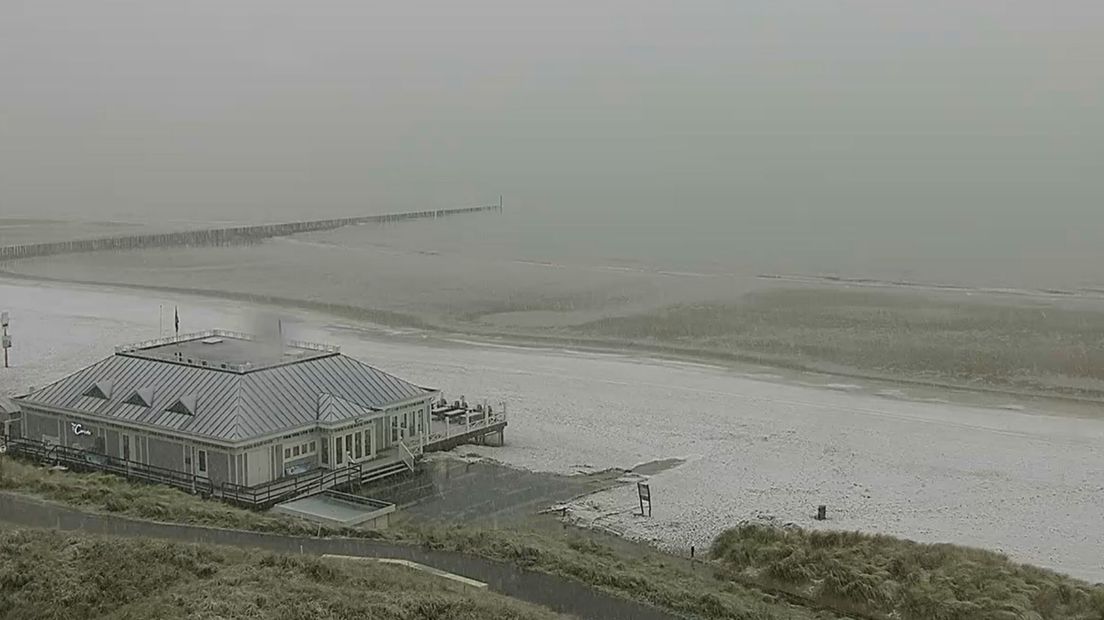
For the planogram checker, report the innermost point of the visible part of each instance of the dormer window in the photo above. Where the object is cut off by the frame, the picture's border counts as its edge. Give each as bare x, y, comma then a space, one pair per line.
100, 389
141, 398
186, 405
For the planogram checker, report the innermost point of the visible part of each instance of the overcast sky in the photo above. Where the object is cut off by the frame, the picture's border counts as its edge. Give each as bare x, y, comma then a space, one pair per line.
236, 108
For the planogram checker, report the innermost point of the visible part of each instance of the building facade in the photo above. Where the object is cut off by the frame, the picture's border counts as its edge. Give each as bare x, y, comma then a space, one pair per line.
231, 409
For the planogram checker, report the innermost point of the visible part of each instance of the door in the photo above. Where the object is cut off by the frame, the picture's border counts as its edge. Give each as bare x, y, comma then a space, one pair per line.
258, 469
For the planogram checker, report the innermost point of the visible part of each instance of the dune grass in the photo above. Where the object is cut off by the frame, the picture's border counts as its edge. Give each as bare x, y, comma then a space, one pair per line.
684, 588
886, 577
112, 494
1024, 345
650, 576
47, 575
756, 571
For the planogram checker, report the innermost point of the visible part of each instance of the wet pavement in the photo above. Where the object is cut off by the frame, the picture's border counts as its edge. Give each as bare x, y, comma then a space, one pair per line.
454, 489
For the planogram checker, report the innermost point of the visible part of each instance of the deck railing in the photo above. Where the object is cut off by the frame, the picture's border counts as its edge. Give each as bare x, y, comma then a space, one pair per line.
219, 333
260, 496
488, 420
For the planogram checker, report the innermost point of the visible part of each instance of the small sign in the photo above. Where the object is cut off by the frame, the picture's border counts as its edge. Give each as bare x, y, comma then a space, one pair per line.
5, 342
645, 496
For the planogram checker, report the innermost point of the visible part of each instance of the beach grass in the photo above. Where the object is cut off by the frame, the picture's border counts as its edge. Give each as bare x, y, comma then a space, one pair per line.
884, 577
50, 575
756, 571
107, 493
954, 340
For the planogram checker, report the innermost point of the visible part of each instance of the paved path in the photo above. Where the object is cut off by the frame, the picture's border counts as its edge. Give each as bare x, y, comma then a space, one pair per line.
556, 593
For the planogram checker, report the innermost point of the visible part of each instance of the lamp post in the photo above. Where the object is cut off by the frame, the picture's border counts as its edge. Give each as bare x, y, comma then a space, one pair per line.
5, 339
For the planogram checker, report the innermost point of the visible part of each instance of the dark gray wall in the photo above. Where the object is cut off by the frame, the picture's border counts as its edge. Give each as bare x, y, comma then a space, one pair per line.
36, 424
168, 454
218, 467
112, 443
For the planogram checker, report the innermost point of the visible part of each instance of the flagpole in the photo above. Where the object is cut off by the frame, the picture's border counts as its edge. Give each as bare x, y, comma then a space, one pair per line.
160, 320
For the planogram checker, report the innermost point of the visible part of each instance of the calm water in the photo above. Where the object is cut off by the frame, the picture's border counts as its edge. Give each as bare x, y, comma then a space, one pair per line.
939, 140
1012, 250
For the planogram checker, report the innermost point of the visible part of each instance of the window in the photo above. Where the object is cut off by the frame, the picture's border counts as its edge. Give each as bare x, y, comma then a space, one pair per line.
312, 447
186, 405
140, 398
100, 389
287, 453
359, 446
349, 445
202, 461
339, 455
295, 451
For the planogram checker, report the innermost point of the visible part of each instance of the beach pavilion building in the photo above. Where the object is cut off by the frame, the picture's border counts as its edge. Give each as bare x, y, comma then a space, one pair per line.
232, 412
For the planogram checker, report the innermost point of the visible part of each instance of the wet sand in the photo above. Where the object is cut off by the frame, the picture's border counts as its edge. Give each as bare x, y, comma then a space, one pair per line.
1023, 479
1020, 341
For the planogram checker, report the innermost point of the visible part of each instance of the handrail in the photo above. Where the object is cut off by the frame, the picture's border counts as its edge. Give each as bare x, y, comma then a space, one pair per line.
406, 455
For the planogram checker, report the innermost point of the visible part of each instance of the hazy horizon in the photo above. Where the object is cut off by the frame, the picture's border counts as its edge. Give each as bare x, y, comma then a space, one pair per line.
961, 128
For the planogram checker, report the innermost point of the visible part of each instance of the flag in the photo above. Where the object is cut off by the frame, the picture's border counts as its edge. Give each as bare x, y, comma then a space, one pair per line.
176, 319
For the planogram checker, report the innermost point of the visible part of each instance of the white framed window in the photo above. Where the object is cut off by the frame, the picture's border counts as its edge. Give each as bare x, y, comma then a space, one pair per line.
201, 457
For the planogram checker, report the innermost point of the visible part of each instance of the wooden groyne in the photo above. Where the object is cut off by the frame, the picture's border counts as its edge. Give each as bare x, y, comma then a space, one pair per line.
218, 236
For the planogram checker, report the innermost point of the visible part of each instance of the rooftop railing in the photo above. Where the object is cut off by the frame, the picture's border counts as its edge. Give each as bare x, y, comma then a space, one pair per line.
219, 333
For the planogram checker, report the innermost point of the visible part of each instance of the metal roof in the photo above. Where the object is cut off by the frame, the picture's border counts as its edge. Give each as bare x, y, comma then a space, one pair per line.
230, 406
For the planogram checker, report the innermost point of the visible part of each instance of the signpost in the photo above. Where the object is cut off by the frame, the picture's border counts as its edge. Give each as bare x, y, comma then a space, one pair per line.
645, 496
5, 339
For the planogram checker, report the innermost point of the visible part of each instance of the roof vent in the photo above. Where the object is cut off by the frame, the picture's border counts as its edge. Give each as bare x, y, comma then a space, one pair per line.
141, 398
186, 405
100, 389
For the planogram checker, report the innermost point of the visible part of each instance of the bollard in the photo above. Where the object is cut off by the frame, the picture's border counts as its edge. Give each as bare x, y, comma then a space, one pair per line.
822, 512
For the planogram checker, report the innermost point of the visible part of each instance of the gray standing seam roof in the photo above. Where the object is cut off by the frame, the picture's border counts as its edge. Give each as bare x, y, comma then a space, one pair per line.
231, 406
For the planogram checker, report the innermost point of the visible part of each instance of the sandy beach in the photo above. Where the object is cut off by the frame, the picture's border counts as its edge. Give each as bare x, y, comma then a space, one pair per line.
1023, 478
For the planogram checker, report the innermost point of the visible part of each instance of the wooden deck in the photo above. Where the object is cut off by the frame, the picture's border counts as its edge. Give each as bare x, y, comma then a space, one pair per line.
446, 435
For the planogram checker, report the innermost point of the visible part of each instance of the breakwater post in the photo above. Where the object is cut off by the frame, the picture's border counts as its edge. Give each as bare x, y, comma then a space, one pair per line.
238, 235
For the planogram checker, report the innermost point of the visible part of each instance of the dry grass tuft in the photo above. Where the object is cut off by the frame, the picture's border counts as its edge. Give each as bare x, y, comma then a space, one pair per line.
888, 577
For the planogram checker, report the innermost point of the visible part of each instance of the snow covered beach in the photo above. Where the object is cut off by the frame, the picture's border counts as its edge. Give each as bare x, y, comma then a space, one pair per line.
1026, 482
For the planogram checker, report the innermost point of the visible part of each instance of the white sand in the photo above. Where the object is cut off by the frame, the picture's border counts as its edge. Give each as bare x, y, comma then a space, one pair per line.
1024, 481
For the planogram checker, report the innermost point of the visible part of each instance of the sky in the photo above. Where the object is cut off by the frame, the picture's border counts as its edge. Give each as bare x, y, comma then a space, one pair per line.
889, 110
